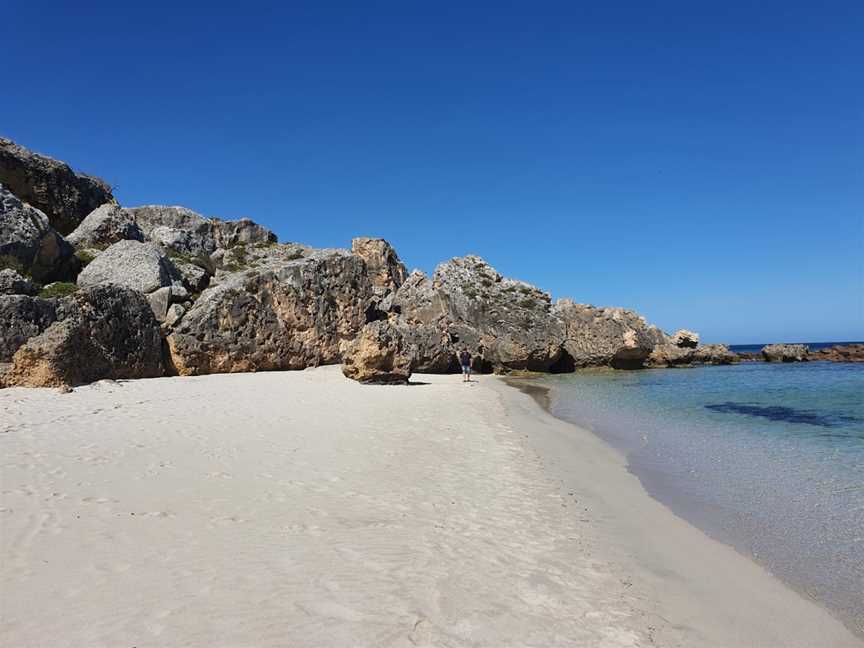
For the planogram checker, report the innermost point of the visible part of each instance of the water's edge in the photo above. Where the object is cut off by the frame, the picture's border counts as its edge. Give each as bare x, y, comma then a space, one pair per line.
545, 396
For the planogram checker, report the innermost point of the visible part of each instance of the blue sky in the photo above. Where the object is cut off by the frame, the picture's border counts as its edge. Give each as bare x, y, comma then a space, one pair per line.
702, 163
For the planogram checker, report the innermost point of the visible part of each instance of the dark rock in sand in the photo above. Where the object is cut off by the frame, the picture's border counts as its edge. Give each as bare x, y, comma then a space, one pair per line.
379, 354
99, 332
28, 243
21, 318
49, 185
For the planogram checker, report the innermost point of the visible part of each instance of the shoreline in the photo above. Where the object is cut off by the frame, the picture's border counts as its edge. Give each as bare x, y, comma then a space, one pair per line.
301, 507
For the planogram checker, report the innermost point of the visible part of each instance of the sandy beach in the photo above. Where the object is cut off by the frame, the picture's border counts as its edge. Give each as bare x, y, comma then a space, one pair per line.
304, 509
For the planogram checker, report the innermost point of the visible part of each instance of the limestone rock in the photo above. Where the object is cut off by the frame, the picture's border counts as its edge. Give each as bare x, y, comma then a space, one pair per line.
686, 339
104, 226
385, 268
379, 354
30, 245
176, 228
606, 336
49, 185
286, 313
785, 352
101, 332
21, 318
839, 353
244, 231
140, 266
174, 315
195, 278
12, 283
673, 355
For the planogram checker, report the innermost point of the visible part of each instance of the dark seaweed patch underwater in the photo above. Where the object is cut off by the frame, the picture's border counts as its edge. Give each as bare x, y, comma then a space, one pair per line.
785, 414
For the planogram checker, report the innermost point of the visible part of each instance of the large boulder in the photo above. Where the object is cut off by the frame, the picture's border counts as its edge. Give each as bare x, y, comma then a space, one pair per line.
13, 283
100, 332
293, 310
785, 352
383, 264
28, 243
140, 266
615, 337
505, 323
176, 228
685, 339
105, 226
380, 354
244, 231
63, 195
21, 318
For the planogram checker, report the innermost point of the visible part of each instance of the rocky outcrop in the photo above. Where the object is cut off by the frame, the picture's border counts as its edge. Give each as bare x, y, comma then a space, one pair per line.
228, 234
672, 355
49, 185
140, 266
504, 323
685, 339
380, 354
615, 337
12, 283
785, 352
28, 243
21, 318
99, 332
384, 267
283, 313
105, 226
838, 353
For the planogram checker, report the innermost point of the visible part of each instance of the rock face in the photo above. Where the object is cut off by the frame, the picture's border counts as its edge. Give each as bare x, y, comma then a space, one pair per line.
21, 318
12, 283
685, 339
785, 352
228, 234
176, 228
99, 332
105, 226
383, 264
616, 337
379, 355
505, 324
63, 195
29, 244
286, 313
839, 353
672, 355
140, 266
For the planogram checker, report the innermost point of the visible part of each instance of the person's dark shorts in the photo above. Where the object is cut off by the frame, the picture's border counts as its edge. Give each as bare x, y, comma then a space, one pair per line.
466, 369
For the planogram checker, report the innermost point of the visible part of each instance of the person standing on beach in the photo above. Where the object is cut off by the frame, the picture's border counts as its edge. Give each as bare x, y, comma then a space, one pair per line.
465, 361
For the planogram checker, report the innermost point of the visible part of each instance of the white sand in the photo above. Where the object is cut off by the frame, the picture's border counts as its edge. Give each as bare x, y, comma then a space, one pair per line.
302, 509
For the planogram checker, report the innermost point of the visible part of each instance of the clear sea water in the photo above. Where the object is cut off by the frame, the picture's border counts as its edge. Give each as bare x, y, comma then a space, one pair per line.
766, 457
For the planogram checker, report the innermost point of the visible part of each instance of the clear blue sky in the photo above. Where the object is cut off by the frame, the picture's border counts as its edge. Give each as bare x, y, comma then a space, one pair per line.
700, 162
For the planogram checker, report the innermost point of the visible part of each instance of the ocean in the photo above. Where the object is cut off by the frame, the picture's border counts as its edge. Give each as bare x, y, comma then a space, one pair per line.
766, 457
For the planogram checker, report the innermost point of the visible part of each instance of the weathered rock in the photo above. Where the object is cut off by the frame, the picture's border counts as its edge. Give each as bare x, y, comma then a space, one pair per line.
49, 185
288, 313
28, 243
195, 278
174, 315
672, 355
104, 226
615, 337
177, 228
684, 338
384, 267
839, 353
101, 332
380, 354
160, 300
21, 318
785, 352
244, 231
506, 324
12, 283
140, 266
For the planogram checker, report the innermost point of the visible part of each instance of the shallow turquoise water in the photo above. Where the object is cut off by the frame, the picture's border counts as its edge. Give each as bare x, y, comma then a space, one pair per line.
767, 457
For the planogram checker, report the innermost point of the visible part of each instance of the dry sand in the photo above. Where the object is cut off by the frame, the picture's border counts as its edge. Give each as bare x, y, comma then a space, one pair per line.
302, 509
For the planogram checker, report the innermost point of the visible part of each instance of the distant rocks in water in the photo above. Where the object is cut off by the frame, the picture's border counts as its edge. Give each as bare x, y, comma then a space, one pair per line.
838, 353
100, 332
672, 355
379, 354
685, 339
785, 352
63, 195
